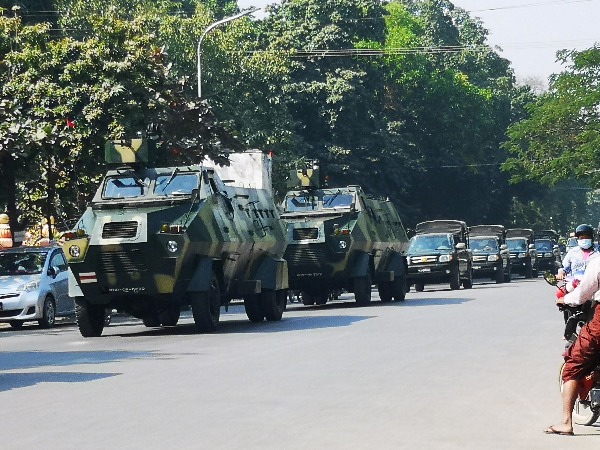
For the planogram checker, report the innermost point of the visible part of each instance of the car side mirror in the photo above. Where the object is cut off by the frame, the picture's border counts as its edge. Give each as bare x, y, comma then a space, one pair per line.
352, 206
461, 246
53, 271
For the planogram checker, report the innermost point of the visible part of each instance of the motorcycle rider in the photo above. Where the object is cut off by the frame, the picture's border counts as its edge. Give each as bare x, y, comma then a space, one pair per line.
584, 355
575, 261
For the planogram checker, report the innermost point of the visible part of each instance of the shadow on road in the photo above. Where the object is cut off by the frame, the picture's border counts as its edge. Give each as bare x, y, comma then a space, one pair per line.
10, 381
30, 360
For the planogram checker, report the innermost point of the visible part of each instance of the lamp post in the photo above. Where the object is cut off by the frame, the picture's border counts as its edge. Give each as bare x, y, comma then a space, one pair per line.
208, 30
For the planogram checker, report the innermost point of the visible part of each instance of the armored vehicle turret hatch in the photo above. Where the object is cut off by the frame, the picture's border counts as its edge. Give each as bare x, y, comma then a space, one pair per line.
154, 240
339, 238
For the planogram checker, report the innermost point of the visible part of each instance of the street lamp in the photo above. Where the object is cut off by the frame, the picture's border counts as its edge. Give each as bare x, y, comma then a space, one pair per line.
209, 29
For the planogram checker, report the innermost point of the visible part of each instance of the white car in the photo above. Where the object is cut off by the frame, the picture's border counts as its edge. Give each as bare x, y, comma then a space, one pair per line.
34, 286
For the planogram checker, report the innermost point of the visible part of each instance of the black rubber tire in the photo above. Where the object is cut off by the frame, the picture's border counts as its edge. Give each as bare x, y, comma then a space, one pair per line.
169, 316
307, 298
253, 308
48, 313
151, 320
500, 274
321, 298
362, 289
528, 270
206, 307
273, 304
454, 278
16, 324
385, 291
90, 318
399, 288
468, 283
582, 414
419, 287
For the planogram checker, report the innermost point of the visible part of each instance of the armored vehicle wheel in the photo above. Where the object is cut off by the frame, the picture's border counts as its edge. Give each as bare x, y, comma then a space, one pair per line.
528, 270
206, 307
170, 316
385, 291
399, 288
499, 274
468, 283
454, 278
253, 309
307, 299
16, 324
90, 318
48, 314
151, 320
419, 287
273, 304
321, 298
362, 289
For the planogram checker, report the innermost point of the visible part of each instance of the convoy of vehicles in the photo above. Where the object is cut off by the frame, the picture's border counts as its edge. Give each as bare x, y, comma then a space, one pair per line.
340, 238
439, 253
491, 257
154, 240
523, 255
546, 244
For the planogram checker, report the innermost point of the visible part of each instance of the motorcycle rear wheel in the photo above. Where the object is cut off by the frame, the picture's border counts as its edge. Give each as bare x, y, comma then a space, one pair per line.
582, 413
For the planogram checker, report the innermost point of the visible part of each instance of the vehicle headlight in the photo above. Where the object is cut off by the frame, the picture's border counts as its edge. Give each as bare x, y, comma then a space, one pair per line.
172, 246
445, 258
75, 251
522, 255
493, 258
29, 287
548, 255
343, 244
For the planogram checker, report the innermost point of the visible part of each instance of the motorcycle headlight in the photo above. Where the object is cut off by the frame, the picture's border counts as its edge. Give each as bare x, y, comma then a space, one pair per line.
493, 258
29, 287
445, 258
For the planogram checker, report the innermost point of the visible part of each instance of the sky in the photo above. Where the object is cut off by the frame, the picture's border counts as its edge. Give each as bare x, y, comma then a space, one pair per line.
528, 32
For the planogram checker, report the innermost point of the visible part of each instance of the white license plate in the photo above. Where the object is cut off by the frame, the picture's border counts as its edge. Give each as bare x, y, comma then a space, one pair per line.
425, 269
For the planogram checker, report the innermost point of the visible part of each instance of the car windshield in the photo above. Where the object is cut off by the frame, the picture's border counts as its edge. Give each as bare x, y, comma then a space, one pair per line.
572, 242
542, 245
483, 245
125, 187
176, 184
429, 243
311, 202
517, 245
338, 200
300, 203
22, 263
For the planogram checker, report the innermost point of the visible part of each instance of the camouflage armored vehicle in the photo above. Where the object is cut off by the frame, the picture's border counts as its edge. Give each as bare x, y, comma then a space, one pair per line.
523, 255
439, 253
154, 240
548, 251
339, 238
491, 258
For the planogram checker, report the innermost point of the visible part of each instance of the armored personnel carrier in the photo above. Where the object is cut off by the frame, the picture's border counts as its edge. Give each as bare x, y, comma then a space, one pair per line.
439, 253
340, 238
491, 257
523, 255
155, 240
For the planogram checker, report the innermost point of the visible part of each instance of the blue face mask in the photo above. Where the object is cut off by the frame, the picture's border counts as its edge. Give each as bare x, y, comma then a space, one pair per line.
584, 243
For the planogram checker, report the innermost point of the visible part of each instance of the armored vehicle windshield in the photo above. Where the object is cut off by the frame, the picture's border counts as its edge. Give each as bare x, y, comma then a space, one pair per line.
319, 200
517, 244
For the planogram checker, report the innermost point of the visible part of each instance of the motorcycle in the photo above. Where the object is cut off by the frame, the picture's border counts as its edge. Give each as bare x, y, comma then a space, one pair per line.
587, 404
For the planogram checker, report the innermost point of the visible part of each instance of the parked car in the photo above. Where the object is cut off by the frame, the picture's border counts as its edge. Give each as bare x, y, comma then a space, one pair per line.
34, 286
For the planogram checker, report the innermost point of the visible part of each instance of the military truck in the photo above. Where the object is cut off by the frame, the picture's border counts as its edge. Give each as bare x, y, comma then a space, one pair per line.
439, 253
523, 255
340, 238
548, 251
491, 258
156, 240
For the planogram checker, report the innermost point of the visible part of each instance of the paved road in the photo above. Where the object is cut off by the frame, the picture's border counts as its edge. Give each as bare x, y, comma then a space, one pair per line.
468, 369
